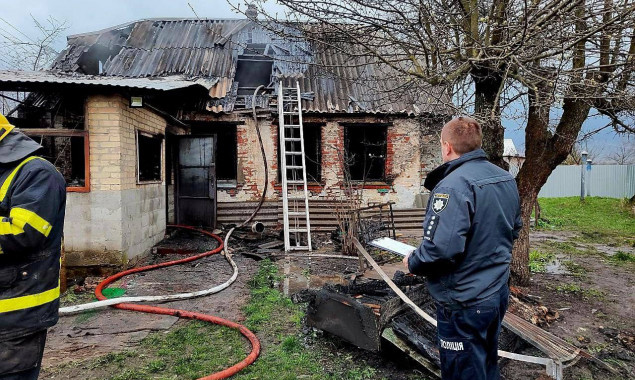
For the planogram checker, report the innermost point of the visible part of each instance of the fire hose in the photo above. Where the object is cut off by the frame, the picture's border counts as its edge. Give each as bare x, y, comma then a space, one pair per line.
123, 303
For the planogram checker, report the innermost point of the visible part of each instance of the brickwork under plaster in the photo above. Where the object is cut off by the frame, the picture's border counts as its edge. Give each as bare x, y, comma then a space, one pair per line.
410, 155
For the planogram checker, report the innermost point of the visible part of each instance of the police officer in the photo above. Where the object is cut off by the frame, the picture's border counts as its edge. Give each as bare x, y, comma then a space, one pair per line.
472, 220
32, 204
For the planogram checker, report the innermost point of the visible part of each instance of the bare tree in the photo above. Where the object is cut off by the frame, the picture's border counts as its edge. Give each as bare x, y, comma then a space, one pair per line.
624, 154
550, 62
19, 51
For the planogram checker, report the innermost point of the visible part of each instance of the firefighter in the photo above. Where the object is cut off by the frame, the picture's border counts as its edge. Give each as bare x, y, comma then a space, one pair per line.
472, 219
32, 205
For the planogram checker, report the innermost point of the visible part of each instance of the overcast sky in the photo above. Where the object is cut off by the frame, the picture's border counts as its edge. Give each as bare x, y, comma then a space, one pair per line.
88, 15
84, 16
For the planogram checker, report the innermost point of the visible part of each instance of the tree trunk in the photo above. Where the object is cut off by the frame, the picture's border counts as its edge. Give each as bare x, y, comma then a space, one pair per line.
520, 258
487, 84
544, 151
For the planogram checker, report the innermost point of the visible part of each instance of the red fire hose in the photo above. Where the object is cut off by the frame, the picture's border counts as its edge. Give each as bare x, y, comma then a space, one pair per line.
255, 343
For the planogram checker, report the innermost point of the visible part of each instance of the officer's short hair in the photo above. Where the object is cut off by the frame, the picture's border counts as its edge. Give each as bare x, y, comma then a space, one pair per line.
464, 133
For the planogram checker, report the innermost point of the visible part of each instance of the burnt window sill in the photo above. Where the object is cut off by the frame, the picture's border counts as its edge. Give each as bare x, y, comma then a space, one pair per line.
150, 182
378, 185
226, 184
311, 186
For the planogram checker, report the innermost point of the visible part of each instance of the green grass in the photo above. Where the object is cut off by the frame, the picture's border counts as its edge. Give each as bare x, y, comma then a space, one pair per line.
194, 349
599, 220
270, 312
584, 292
568, 248
68, 297
625, 257
268, 306
621, 258
538, 260
574, 268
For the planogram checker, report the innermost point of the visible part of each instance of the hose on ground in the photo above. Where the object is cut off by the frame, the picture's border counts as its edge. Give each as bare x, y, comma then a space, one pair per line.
163, 298
123, 303
253, 340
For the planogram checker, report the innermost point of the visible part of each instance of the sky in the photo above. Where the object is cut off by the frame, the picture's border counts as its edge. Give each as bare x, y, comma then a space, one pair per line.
84, 16
88, 15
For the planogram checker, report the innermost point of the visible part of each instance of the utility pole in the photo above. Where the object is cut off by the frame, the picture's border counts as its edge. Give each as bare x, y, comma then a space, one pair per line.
588, 169
582, 164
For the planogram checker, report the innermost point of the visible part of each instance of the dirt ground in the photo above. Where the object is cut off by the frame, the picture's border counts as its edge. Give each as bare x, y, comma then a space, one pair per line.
595, 298
593, 295
95, 333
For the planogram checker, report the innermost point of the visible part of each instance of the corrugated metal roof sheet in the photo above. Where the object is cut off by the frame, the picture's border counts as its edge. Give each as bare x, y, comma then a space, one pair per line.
210, 48
159, 84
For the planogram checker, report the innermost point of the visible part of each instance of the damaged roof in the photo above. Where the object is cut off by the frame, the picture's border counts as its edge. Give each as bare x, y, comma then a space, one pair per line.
167, 83
210, 49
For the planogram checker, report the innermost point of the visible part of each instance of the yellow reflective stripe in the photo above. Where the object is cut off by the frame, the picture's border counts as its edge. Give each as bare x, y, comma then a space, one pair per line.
7, 182
32, 300
21, 217
8, 228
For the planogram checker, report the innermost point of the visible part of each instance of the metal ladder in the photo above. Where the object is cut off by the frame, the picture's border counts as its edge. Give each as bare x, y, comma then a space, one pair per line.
295, 197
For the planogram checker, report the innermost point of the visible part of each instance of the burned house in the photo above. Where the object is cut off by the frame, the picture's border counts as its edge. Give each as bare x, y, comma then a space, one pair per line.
154, 122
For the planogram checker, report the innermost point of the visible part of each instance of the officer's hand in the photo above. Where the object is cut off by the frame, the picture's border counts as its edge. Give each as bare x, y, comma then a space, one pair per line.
405, 261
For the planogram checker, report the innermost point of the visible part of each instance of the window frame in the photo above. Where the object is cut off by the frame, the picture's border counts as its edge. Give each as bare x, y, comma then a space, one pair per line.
215, 128
365, 126
310, 182
55, 132
157, 136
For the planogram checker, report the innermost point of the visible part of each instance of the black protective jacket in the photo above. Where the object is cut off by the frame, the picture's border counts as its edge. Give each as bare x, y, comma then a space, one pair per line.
472, 219
32, 205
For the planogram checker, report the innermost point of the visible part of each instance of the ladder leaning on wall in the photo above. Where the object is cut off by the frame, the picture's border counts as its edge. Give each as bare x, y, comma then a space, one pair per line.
295, 197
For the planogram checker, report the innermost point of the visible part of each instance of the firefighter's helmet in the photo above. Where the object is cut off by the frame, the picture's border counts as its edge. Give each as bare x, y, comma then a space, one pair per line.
5, 127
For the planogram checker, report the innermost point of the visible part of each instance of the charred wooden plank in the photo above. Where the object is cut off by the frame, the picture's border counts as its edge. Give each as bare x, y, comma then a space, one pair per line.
345, 317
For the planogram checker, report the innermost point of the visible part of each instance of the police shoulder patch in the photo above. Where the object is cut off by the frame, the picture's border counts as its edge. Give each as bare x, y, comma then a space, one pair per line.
439, 202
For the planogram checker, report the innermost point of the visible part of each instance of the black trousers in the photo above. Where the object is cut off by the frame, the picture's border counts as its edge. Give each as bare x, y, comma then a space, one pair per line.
468, 338
21, 358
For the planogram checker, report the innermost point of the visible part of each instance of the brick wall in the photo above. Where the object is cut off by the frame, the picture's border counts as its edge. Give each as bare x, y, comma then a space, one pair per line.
118, 219
409, 156
430, 149
250, 170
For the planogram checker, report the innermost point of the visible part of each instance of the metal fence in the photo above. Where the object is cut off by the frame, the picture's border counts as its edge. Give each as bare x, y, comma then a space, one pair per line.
611, 181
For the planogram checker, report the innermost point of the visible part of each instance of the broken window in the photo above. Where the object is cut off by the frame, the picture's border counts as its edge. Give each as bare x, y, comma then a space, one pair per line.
226, 151
312, 150
68, 151
149, 149
366, 152
253, 68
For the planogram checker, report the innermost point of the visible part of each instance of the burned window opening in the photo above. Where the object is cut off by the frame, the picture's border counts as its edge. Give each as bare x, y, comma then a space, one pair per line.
253, 69
68, 151
56, 122
226, 151
149, 149
68, 154
93, 61
366, 152
313, 153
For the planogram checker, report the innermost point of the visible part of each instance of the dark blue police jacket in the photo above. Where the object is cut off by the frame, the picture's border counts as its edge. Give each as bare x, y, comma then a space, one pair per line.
472, 219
